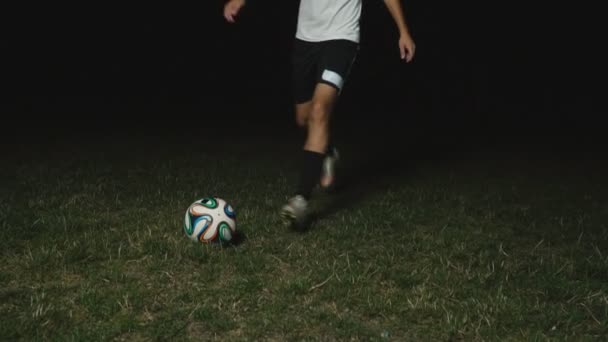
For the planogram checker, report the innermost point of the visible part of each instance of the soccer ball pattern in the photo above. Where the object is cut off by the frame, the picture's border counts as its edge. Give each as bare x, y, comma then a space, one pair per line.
210, 220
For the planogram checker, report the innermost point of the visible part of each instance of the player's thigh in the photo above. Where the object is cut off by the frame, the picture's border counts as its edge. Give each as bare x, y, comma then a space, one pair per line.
338, 58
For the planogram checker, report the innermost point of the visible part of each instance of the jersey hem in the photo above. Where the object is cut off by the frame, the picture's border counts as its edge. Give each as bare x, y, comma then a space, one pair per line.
322, 39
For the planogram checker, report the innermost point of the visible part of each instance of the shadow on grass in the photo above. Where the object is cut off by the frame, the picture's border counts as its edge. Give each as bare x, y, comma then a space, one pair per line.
237, 239
371, 172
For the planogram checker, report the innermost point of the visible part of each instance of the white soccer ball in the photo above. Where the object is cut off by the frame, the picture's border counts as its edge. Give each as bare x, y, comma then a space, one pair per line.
210, 220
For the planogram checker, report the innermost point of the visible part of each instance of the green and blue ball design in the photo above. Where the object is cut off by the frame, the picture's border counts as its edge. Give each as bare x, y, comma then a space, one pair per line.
210, 220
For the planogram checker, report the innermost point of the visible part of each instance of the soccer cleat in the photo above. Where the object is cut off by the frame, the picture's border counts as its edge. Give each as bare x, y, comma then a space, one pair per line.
328, 172
295, 211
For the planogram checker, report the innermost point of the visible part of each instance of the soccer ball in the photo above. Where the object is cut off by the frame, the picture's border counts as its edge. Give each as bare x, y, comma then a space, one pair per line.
210, 220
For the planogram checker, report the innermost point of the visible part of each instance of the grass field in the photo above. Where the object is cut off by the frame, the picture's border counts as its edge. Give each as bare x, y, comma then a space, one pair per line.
500, 246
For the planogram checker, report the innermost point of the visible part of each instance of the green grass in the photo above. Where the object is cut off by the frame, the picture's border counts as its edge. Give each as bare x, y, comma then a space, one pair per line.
92, 248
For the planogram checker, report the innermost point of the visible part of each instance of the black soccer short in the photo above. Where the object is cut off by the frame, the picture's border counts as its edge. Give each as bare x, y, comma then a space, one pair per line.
327, 62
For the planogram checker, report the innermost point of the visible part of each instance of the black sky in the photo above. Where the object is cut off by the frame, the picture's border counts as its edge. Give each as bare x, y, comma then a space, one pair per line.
481, 68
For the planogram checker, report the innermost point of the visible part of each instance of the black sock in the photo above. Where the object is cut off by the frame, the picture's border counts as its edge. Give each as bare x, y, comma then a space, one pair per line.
310, 171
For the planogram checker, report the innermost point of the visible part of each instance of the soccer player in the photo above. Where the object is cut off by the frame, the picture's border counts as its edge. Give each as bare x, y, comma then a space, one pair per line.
325, 46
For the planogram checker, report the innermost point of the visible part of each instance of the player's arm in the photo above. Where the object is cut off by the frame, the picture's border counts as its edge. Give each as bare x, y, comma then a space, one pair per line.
232, 8
406, 43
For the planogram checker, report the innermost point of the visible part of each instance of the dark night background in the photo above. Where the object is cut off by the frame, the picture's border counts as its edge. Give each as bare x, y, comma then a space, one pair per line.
504, 73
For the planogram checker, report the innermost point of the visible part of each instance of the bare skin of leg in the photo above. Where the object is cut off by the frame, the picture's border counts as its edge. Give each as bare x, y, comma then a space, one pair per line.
302, 113
315, 116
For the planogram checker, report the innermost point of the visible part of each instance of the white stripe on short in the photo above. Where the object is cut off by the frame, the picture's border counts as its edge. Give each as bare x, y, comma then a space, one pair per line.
333, 78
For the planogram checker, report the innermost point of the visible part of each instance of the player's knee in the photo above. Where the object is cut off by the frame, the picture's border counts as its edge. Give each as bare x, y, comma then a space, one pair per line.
319, 114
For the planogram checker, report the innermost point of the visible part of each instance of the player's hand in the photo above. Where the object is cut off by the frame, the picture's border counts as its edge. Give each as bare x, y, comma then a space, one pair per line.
406, 47
232, 8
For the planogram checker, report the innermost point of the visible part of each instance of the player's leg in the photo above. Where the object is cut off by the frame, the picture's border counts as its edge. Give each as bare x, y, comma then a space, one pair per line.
332, 62
338, 59
317, 111
317, 139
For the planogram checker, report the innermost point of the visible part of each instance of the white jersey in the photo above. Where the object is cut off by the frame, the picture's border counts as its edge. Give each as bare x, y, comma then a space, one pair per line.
328, 19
